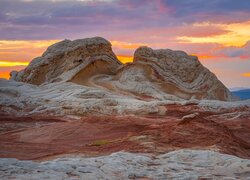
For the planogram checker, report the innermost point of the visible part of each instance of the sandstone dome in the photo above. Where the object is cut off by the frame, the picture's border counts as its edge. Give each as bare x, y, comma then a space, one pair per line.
161, 74
65, 60
172, 72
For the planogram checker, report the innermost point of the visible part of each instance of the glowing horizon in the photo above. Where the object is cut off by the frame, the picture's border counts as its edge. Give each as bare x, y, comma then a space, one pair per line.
246, 74
11, 63
237, 34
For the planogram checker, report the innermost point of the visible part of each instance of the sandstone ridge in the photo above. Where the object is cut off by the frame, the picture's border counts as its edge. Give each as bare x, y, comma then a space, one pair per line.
161, 74
64, 60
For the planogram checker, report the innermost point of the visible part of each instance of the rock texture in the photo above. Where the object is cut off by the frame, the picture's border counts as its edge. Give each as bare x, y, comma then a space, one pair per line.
67, 98
67, 60
174, 73
182, 164
40, 136
157, 74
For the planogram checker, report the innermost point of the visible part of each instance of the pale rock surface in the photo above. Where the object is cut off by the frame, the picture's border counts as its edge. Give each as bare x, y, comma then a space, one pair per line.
190, 116
215, 105
181, 164
135, 79
67, 98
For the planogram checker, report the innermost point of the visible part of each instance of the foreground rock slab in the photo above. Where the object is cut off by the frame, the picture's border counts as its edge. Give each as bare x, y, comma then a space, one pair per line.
182, 164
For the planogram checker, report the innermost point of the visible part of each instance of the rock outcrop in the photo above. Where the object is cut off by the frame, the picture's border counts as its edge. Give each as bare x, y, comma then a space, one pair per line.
171, 72
154, 74
69, 60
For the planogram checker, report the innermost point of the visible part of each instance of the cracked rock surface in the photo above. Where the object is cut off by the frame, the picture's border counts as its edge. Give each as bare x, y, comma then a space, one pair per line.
182, 164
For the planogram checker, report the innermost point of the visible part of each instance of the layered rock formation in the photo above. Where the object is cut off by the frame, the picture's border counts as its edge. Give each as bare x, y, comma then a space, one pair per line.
67, 60
157, 74
177, 73
39, 136
161, 73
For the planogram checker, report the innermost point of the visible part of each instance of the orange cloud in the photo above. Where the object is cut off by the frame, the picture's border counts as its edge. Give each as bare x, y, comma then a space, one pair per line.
16, 54
11, 63
22, 51
126, 45
246, 74
236, 34
19, 44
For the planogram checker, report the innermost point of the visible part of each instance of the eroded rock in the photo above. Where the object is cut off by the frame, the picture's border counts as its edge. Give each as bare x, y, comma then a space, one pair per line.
155, 74
67, 59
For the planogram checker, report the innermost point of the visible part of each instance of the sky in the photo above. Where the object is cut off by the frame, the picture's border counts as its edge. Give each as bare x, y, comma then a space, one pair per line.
217, 31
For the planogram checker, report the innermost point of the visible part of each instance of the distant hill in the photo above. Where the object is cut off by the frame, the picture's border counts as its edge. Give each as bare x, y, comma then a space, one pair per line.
243, 94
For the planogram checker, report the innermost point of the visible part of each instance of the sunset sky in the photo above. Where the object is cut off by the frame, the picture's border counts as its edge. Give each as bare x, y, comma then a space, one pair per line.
217, 31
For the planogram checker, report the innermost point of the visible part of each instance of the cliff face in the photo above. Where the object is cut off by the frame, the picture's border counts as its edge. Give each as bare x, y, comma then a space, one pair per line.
157, 74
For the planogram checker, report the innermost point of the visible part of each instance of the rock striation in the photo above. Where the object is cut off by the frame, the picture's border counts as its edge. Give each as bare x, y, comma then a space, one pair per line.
67, 60
37, 137
173, 72
161, 74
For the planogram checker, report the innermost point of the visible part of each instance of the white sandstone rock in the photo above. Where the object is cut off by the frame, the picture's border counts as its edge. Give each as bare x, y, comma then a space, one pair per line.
181, 164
